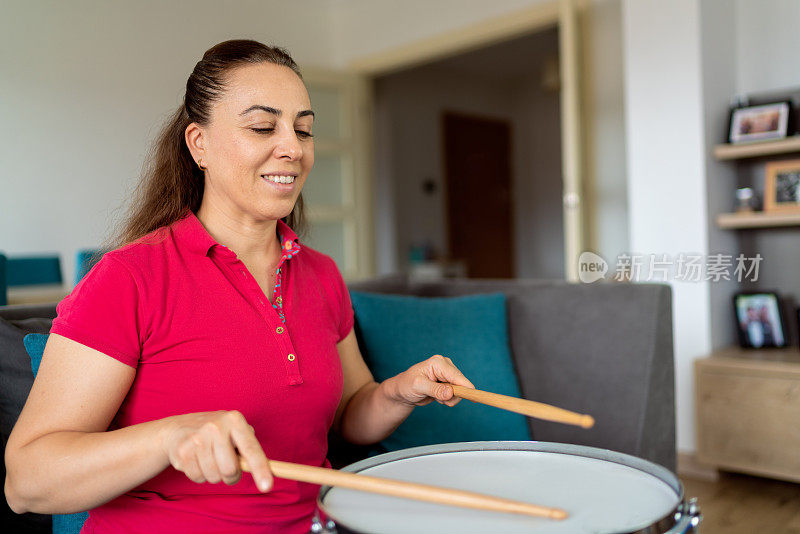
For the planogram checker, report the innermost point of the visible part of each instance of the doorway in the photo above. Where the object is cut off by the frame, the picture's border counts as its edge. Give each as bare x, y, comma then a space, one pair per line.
477, 175
507, 99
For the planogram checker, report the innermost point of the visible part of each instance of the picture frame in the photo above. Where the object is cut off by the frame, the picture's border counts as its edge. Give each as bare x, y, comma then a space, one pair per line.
782, 186
760, 123
759, 320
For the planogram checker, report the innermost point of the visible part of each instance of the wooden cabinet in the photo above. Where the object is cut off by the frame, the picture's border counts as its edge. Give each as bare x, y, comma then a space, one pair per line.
748, 411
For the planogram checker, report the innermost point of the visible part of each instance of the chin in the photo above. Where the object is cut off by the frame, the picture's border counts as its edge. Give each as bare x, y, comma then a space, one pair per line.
274, 214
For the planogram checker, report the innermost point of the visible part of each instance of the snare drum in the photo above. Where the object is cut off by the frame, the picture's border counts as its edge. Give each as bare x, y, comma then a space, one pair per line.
602, 491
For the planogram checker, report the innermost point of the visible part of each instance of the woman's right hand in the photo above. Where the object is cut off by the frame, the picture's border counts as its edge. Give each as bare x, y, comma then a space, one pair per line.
204, 447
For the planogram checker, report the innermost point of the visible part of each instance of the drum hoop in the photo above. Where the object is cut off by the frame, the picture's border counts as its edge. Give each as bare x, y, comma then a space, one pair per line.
662, 526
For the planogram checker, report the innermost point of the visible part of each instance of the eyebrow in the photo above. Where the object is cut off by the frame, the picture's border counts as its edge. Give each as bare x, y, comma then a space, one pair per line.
273, 111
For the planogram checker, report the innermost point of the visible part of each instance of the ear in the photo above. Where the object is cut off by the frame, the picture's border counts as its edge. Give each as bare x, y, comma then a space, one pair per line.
195, 141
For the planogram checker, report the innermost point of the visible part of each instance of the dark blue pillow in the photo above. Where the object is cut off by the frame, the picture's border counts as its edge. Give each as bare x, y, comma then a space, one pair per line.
396, 332
62, 523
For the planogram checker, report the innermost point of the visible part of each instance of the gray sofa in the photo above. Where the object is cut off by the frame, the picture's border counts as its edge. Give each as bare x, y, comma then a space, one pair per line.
604, 349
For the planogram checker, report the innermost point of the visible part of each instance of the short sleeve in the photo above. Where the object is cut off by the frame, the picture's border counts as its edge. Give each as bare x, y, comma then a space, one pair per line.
345, 305
103, 312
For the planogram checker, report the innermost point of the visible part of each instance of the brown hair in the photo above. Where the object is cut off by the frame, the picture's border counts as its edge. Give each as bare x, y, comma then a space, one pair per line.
171, 181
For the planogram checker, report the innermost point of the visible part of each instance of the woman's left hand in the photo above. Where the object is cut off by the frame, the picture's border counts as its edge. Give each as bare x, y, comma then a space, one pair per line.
421, 383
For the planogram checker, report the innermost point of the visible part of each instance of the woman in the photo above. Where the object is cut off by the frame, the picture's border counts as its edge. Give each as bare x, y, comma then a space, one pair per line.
209, 333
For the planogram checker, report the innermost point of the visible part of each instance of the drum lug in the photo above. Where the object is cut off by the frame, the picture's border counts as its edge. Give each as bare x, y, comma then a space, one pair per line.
318, 528
691, 510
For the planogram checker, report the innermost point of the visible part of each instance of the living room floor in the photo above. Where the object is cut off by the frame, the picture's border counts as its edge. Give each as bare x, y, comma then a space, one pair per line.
743, 504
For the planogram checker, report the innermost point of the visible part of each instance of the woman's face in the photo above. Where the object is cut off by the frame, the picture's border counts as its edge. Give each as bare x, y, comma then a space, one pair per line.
257, 146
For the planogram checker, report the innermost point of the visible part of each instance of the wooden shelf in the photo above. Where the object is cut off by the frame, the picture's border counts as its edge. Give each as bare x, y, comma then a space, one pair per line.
754, 150
756, 219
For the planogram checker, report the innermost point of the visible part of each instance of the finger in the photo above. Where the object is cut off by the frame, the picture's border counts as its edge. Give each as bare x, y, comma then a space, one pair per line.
192, 470
205, 456
446, 371
442, 369
250, 449
184, 459
430, 388
227, 461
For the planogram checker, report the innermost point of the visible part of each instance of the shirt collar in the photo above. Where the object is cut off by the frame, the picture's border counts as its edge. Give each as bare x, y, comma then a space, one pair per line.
191, 231
290, 243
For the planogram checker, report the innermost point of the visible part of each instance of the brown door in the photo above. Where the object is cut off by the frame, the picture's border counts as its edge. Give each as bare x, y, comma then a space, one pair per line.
477, 159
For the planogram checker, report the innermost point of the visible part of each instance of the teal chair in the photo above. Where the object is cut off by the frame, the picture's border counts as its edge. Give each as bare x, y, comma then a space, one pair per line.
33, 270
3, 285
85, 259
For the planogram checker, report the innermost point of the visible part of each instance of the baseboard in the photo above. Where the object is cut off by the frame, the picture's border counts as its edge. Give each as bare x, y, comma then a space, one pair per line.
690, 467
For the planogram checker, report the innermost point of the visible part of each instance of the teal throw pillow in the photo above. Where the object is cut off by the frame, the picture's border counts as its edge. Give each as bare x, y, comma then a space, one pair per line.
397, 331
34, 344
62, 523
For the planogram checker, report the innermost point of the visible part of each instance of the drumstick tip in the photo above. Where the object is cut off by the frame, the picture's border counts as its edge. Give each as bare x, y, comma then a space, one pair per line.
587, 421
557, 513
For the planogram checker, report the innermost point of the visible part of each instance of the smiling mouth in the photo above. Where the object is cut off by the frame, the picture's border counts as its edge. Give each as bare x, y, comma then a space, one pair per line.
279, 178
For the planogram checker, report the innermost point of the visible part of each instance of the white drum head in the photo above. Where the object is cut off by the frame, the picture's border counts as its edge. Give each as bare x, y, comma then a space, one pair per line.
600, 496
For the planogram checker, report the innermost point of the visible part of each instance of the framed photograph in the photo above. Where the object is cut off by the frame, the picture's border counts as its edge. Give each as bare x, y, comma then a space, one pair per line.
759, 320
760, 123
782, 186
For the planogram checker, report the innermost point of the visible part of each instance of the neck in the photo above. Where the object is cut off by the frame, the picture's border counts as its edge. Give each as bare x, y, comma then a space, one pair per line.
250, 239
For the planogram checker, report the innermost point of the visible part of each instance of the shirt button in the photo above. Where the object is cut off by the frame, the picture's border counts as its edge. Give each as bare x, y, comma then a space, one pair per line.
290, 357
279, 330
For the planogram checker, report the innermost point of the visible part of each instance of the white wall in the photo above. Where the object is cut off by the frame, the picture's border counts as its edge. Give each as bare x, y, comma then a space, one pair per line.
84, 88
667, 204
767, 42
718, 35
366, 27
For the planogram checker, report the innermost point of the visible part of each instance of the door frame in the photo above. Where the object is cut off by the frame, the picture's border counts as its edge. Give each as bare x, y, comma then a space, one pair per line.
563, 14
357, 212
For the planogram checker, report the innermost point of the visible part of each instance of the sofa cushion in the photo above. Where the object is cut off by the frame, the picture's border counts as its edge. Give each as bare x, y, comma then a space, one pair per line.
396, 332
62, 523
16, 379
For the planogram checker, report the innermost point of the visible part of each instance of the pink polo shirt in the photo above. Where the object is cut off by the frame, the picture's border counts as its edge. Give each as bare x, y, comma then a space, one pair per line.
186, 313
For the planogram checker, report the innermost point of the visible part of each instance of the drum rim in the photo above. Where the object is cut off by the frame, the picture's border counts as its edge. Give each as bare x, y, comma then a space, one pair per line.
662, 525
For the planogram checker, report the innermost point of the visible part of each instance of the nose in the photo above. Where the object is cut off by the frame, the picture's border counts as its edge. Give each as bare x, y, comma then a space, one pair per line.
288, 146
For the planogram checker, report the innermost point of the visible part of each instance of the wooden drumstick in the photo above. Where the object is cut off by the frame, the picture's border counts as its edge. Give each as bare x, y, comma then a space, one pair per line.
407, 490
523, 406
